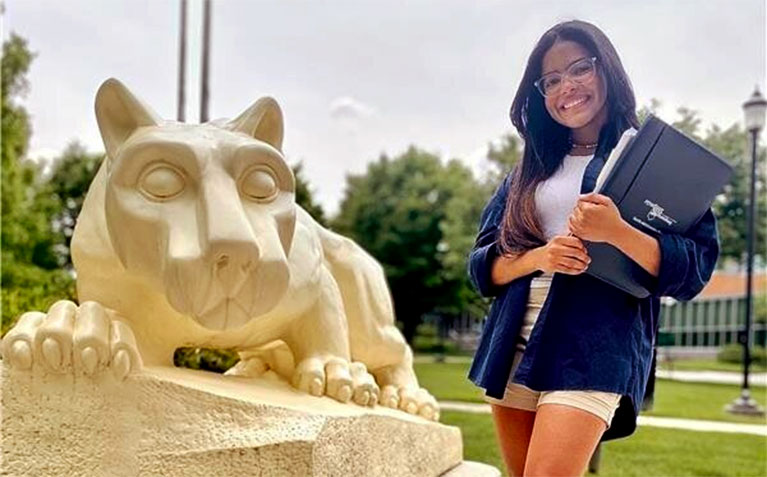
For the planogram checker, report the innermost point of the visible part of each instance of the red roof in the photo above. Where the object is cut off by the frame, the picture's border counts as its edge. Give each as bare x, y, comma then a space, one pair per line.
733, 284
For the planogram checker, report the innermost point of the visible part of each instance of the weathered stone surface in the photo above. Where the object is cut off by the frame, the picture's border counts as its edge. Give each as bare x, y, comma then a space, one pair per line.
169, 421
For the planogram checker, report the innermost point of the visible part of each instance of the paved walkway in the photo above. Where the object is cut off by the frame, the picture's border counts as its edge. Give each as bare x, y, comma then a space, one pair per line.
653, 421
724, 377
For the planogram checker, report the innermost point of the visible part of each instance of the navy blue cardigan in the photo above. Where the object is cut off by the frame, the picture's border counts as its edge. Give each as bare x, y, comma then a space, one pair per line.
589, 335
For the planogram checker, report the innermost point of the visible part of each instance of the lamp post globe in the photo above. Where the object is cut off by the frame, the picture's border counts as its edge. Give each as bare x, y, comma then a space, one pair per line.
754, 111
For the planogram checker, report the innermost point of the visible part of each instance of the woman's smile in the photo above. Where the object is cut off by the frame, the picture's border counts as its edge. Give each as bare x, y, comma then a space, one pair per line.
574, 103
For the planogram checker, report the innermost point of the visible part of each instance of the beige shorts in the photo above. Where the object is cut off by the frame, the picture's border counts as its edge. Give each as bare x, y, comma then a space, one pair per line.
519, 396
601, 404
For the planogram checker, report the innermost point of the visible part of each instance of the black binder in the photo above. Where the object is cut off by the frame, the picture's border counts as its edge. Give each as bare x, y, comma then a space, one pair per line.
662, 182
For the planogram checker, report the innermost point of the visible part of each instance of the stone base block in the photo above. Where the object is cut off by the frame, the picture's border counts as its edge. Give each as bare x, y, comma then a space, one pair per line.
179, 422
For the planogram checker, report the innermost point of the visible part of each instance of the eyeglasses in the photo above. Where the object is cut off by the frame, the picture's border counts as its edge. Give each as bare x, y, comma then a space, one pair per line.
579, 72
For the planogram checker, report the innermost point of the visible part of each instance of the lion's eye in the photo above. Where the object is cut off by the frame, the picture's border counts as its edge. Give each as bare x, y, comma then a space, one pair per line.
162, 182
259, 184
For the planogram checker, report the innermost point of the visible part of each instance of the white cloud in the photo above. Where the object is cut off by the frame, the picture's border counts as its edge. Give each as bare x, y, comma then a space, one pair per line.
348, 108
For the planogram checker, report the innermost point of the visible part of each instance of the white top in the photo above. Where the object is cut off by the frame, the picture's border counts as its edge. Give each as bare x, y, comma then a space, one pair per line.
555, 198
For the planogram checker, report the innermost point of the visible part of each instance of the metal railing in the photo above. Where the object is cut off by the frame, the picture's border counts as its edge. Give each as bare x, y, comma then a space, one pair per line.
706, 322
700, 323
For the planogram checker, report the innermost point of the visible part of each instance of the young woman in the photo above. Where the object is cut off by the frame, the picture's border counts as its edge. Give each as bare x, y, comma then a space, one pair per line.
564, 357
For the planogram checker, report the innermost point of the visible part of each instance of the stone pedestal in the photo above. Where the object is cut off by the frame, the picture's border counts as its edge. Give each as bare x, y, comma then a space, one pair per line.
173, 422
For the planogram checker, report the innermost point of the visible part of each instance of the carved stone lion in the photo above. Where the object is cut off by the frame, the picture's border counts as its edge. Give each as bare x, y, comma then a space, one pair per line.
190, 236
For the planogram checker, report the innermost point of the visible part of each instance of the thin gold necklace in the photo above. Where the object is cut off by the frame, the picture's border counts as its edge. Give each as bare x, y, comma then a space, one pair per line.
584, 146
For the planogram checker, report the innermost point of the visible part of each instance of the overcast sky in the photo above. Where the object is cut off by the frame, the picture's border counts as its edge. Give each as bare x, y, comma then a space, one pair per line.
358, 78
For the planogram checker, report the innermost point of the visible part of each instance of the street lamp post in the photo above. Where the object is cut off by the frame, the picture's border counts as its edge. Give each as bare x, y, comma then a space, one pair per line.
754, 110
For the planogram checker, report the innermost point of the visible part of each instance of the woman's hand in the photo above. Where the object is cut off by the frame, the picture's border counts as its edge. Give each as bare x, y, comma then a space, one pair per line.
562, 254
595, 218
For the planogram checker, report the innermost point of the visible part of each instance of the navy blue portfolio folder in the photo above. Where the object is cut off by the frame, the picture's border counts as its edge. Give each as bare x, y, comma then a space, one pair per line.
662, 182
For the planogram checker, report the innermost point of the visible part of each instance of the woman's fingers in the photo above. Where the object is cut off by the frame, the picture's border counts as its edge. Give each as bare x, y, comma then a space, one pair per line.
567, 254
568, 270
569, 241
573, 263
573, 253
571, 267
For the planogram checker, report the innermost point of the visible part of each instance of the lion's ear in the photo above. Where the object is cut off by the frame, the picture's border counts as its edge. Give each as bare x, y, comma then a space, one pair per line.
119, 113
263, 121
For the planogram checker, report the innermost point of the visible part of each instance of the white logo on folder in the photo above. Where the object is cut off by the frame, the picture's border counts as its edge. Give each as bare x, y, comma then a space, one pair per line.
656, 212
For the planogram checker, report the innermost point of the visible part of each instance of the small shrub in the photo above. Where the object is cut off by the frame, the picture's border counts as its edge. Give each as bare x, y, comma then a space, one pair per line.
733, 353
760, 308
216, 360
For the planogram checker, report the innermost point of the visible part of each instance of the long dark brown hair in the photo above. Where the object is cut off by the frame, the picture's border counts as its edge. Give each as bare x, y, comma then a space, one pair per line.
547, 141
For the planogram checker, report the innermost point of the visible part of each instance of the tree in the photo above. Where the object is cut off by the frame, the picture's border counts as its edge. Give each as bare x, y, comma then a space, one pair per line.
459, 230
731, 207
648, 109
503, 158
398, 211
31, 279
304, 195
70, 178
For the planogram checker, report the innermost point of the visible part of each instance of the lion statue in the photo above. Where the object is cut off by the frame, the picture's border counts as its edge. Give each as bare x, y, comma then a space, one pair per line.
190, 236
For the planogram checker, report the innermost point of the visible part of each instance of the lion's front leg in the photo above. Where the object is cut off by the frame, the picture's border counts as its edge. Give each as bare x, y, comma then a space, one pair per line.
375, 339
319, 340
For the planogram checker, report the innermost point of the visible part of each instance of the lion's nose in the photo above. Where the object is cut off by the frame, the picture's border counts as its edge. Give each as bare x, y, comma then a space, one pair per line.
222, 261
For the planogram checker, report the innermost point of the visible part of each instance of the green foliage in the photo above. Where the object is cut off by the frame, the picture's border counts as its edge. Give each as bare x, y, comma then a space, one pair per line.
29, 288
70, 178
427, 342
688, 122
215, 360
646, 110
417, 216
31, 278
731, 207
304, 196
503, 158
16, 59
417, 203
760, 308
733, 353
26, 234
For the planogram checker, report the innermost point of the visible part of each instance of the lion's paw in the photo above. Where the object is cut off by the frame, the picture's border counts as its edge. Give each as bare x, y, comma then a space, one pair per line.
83, 340
252, 367
413, 400
337, 378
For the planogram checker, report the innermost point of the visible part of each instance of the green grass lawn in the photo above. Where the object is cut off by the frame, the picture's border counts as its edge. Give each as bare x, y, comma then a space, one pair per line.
701, 401
448, 382
648, 452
